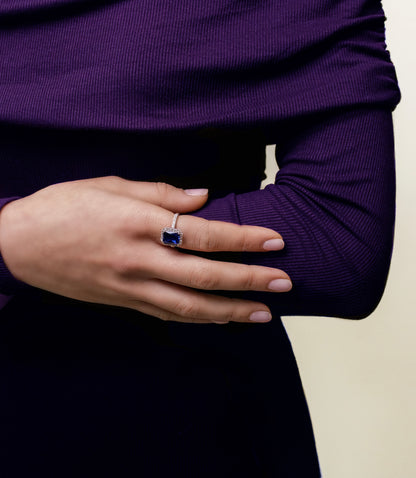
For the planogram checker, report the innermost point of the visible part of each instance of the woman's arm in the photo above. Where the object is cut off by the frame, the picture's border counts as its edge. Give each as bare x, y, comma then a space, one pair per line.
98, 240
333, 201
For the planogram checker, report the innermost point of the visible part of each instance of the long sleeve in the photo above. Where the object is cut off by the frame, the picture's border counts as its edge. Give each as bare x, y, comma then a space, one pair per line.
333, 202
143, 67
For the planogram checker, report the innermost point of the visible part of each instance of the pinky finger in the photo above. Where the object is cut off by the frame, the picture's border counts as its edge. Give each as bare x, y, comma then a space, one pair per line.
165, 315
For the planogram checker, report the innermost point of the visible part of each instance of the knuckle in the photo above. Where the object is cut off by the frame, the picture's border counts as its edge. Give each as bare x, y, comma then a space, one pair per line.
237, 312
244, 243
250, 279
187, 308
105, 180
163, 190
202, 278
205, 237
111, 178
231, 315
208, 283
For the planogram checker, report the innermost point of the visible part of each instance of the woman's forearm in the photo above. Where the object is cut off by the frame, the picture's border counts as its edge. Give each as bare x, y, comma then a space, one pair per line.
333, 202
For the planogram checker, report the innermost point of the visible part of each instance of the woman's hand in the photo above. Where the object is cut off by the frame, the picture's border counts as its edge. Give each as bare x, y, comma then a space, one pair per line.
98, 240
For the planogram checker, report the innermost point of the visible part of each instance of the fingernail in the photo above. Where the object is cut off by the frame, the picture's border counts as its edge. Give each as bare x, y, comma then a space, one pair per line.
215, 322
196, 192
280, 285
260, 316
273, 245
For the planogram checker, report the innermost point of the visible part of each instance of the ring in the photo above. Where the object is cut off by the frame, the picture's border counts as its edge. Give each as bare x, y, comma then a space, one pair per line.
171, 236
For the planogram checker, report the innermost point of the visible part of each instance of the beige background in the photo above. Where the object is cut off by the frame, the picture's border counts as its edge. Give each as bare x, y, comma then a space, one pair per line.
360, 376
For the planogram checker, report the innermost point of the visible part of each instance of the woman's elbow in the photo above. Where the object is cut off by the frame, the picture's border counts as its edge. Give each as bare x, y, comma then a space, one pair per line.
362, 282
340, 281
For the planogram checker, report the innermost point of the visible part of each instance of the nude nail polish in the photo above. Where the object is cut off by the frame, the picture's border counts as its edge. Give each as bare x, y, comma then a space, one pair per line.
260, 316
196, 192
280, 285
273, 245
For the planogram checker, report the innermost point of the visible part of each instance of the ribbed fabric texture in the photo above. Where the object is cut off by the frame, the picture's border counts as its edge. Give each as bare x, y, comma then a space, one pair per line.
83, 86
157, 65
316, 76
333, 202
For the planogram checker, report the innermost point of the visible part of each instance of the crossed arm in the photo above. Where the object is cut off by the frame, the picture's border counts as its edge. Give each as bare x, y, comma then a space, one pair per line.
332, 202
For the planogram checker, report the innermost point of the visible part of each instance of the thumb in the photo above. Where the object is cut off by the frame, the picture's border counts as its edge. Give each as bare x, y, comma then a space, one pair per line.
179, 200
160, 194
169, 197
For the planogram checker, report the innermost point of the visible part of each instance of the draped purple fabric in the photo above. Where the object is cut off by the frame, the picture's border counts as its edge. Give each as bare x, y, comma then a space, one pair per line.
190, 93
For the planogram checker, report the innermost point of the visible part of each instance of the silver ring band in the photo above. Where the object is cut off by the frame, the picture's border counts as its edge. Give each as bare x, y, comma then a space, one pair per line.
175, 218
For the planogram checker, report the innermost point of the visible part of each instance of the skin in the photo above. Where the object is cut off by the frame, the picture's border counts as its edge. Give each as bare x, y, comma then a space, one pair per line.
100, 243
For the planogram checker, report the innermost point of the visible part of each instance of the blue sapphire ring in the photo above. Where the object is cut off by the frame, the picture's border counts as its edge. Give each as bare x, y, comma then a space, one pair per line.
171, 236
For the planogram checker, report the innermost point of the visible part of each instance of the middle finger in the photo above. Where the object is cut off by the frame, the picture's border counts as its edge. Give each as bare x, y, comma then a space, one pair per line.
200, 273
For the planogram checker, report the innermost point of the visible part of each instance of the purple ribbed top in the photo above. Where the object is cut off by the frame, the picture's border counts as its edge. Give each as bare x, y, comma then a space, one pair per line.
157, 65
314, 75
190, 92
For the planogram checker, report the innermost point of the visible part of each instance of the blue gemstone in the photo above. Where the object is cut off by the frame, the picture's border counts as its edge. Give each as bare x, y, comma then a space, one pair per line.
171, 238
